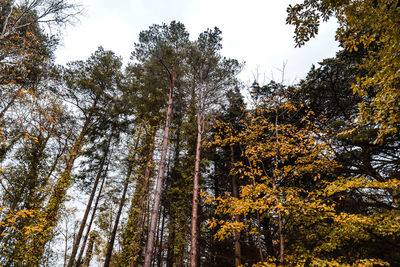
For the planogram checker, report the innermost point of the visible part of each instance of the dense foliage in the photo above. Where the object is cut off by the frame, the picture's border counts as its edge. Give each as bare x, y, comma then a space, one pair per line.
162, 163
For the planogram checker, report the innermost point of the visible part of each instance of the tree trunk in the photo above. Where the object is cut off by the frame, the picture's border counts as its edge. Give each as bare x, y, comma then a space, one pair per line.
58, 195
195, 201
131, 247
89, 251
282, 240
160, 244
268, 237
236, 195
78, 261
3, 112
115, 228
157, 245
66, 245
160, 176
260, 252
280, 225
142, 204
88, 206
110, 245
171, 247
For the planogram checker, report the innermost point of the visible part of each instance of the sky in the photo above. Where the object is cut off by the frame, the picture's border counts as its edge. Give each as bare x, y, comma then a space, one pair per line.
253, 31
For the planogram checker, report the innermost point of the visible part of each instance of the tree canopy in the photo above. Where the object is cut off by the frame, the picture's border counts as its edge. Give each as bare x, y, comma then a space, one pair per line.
163, 162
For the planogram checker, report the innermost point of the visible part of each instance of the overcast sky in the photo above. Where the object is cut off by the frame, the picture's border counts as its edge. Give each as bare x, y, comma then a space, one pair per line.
254, 32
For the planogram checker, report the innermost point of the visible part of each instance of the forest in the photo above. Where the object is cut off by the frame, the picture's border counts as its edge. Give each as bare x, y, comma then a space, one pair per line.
164, 162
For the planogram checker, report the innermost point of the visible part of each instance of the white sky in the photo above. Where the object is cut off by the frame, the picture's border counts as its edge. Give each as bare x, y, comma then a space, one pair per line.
254, 32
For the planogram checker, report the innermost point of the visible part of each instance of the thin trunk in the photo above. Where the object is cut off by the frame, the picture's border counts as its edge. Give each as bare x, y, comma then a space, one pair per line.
88, 206
110, 245
157, 246
282, 241
171, 238
268, 237
53, 167
195, 201
172, 221
3, 112
115, 228
160, 245
260, 252
160, 177
131, 248
141, 215
280, 225
236, 195
78, 261
55, 163
59, 193
89, 251
66, 245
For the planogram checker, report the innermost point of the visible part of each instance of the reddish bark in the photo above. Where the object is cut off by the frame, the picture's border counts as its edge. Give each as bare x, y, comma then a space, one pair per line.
160, 177
195, 201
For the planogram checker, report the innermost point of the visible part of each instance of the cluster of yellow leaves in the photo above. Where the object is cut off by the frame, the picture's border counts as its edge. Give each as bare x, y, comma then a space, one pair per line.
28, 136
352, 42
374, 25
343, 184
10, 219
293, 153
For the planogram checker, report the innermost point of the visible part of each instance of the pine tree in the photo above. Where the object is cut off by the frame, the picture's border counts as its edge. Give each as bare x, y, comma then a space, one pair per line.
165, 46
211, 74
96, 80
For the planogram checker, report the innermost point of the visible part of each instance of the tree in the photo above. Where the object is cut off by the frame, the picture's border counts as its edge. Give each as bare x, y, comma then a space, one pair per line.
292, 181
16, 16
147, 100
23, 44
131, 162
31, 152
236, 250
328, 92
370, 25
180, 179
272, 149
211, 74
96, 80
165, 45
78, 237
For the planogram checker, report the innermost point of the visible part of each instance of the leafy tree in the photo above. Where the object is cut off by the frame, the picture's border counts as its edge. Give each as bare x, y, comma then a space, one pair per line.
215, 252
147, 100
179, 182
292, 181
90, 85
211, 74
279, 160
369, 25
355, 150
24, 47
18, 15
165, 45
33, 127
